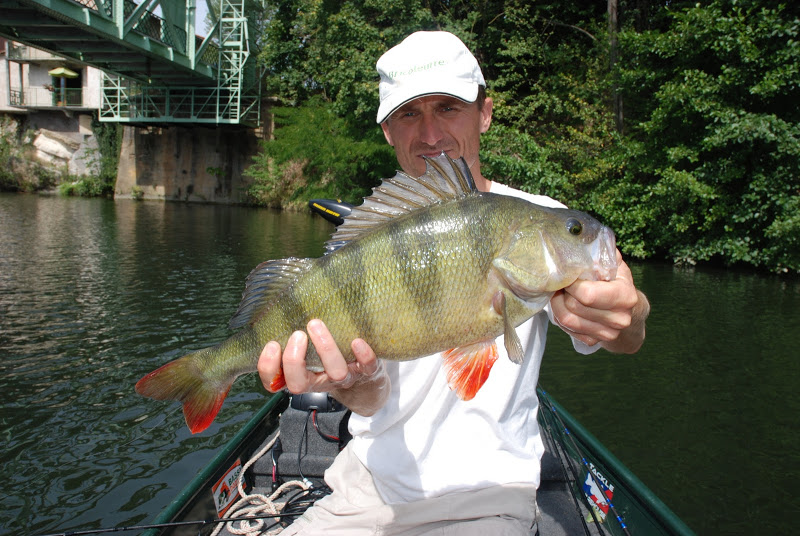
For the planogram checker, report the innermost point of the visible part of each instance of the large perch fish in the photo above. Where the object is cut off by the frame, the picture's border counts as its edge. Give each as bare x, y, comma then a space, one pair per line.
424, 265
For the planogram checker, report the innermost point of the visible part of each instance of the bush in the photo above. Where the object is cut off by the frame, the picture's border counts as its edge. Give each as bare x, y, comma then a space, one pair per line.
8, 144
316, 154
84, 187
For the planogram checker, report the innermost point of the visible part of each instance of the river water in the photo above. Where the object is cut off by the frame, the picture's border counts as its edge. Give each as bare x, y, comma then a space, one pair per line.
96, 293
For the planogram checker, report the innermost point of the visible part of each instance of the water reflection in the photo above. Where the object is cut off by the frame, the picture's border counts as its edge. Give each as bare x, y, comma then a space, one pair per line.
93, 294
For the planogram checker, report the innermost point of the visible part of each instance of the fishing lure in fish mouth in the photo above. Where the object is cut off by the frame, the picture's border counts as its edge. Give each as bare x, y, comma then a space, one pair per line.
423, 252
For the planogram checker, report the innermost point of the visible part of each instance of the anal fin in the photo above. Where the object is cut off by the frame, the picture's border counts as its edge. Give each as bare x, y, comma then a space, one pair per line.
278, 382
468, 367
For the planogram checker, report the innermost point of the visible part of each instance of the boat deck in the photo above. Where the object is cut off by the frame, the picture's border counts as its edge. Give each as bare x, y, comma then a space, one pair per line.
307, 439
560, 513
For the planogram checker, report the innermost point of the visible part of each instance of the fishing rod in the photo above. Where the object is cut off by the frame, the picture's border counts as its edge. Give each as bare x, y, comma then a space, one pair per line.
569, 474
585, 463
201, 522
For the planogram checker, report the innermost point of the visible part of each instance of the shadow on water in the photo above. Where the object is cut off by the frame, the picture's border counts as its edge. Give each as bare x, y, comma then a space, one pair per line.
705, 414
96, 293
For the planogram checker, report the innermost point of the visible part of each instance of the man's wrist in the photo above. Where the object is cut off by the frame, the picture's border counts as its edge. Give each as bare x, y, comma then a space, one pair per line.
367, 395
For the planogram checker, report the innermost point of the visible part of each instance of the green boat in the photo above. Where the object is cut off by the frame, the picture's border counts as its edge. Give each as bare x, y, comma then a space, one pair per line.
287, 445
272, 470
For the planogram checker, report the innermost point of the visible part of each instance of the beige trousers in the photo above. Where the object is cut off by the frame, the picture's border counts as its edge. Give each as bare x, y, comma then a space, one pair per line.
355, 508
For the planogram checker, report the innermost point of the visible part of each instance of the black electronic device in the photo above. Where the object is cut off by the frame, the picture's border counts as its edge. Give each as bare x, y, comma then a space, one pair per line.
321, 402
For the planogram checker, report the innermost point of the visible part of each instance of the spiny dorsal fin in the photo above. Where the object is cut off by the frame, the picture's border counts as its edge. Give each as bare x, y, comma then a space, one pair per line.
264, 284
444, 179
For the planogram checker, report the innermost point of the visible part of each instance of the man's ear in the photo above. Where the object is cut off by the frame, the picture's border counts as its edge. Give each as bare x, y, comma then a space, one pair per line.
386, 134
486, 115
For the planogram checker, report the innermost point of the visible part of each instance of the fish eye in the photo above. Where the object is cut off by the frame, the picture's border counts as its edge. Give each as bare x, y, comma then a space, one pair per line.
574, 227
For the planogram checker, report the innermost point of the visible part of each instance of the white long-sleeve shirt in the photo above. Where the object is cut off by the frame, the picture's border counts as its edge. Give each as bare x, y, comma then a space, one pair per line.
426, 442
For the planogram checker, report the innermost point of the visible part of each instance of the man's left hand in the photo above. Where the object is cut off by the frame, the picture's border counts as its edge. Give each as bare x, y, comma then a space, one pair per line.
611, 313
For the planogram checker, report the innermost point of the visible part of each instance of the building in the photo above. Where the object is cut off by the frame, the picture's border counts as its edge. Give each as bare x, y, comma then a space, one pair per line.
28, 84
53, 99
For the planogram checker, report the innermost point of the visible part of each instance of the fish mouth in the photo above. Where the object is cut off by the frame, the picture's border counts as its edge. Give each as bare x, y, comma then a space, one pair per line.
604, 256
432, 154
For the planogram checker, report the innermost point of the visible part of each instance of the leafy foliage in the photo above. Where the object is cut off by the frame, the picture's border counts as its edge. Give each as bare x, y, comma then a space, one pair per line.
7, 135
109, 144
705, 169
717, 158
312, 141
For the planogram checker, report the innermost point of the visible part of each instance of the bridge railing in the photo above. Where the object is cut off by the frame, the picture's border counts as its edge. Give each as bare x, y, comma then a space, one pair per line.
130, 101
210, 54
155, 27
42, 97
105, 7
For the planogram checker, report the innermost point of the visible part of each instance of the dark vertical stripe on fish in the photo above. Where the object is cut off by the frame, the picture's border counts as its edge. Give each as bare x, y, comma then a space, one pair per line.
352, 282
418, 250
292, 309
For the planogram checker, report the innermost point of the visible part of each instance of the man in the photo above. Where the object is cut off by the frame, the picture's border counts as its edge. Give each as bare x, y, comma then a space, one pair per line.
422, 460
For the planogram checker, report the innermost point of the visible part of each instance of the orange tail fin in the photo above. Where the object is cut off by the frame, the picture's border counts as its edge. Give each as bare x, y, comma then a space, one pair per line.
468, 367
180, 380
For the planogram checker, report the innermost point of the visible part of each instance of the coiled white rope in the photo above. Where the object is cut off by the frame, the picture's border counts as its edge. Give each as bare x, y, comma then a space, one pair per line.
255, 504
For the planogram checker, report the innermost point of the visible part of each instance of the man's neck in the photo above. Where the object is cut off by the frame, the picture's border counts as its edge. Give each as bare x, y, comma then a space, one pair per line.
481, 183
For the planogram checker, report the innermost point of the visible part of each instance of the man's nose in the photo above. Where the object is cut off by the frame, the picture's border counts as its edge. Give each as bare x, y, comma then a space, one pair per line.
430, 131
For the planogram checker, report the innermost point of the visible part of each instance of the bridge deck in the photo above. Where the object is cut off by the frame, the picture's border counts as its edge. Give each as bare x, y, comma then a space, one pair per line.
160, 72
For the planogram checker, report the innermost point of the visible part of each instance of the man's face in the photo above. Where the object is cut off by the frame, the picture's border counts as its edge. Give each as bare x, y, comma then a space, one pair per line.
429, 125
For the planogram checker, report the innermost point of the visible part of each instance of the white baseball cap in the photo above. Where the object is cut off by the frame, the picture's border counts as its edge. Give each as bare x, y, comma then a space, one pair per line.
427, 63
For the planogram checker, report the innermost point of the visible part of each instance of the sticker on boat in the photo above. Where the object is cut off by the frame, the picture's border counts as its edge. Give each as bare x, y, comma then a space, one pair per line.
599, 491
226, 491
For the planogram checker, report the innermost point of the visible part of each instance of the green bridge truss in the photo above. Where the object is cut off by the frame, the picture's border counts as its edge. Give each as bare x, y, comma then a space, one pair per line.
156, 71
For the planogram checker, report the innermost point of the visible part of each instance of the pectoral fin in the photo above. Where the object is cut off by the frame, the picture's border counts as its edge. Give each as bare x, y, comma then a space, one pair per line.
510, 337
468, 367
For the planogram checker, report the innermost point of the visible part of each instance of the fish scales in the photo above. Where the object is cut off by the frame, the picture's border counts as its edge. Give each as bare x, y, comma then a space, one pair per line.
452, 275
425, 270
377, 289
393, 298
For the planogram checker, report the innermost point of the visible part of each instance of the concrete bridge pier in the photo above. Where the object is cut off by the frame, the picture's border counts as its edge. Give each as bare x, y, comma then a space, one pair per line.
186, 163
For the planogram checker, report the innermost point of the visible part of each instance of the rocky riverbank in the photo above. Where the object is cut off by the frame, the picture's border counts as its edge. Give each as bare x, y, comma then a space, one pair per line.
40, 151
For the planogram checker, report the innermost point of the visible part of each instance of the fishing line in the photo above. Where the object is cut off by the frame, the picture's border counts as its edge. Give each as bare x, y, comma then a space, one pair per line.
202, 522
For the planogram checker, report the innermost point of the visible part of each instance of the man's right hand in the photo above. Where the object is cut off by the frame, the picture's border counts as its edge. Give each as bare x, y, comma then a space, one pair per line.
363, 385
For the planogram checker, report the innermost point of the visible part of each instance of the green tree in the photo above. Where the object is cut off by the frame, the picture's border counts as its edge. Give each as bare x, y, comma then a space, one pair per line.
705, 168
7, 143
714, 153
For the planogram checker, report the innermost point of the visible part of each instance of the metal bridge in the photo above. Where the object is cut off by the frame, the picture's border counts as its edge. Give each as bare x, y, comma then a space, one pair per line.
157, 71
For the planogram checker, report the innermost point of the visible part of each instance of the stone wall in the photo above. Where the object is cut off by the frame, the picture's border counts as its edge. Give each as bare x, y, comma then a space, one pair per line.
45, 148
62, 140
198, 164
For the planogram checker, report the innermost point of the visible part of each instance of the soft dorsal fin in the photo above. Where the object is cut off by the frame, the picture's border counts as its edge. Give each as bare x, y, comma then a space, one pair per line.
263, 285
444, 179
